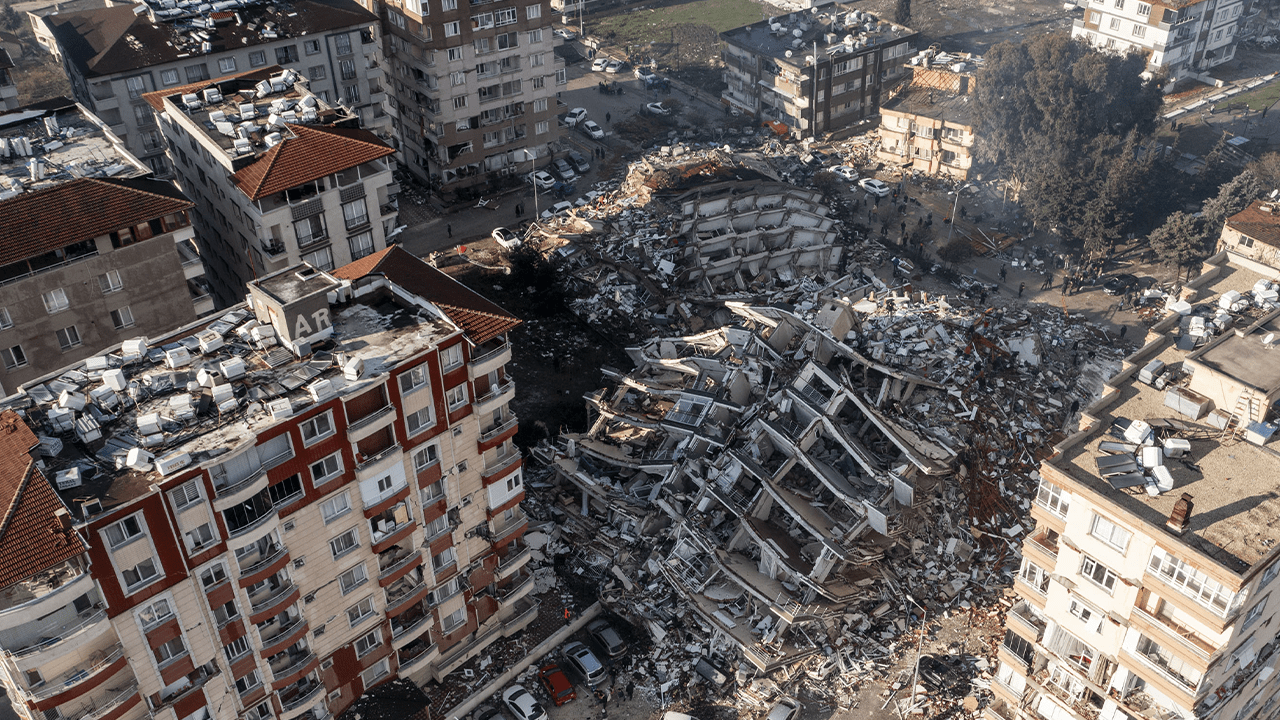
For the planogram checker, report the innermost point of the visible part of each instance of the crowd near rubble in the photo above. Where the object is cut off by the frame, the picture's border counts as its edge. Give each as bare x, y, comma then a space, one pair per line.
812, 459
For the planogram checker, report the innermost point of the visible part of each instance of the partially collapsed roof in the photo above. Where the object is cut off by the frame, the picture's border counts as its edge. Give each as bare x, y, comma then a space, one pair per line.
312, 153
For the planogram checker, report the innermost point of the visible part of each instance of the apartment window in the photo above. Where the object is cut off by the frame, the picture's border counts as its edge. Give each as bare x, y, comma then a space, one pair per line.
68, 337
361, 610
385, 484
351, 93
1144, 9
396, 18
1254, 613
122, 532
185, 495
444, 559
460, 102
257, 58
140, 574
537, 60
13, 357
1115, 23
1110, 533
381, 669
1081, 610
355, 213
213, 576
286, 490
236, 648
539, 83
248, 682
368, 643
110, 282
322, 259
316, 72
1099, 573
426, 457
505, 16
347, 69
6, 322
170, 650
317, 428
532, 11
419, 421
169, 77
455, 53
412, 379
433, 492
199, 537
514, 482
1180, 670
309, 230
197, 73
541, 127
1019, 646
342, 43
452, 29
447, 5
1035, 576
1119, 4
451, 357
55, 301
1192, 582
311, 47
154, 614
453, 621
540, 105
225, 613
457, 78
226, 66
535, 36
122, 318
352, 579
456, 397
335, 507
344, 543
1052, 498
1269, 574
287, 54
136, 86
326, 469
1139, 30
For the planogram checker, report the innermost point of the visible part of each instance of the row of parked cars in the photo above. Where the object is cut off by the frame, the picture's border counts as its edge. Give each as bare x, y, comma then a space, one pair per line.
580, 660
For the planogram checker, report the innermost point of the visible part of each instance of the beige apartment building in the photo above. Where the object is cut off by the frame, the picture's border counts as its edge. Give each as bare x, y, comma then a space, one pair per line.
474, 87
1147, 587
115, 55
268, 512
278, 175
928, 126
95, 250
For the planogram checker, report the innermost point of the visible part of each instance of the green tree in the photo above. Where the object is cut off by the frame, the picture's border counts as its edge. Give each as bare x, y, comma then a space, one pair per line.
1267, 170
902, 12
1181, 241
1233, 196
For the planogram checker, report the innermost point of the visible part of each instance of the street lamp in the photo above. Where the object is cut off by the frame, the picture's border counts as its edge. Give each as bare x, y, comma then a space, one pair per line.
953, 212
924, 621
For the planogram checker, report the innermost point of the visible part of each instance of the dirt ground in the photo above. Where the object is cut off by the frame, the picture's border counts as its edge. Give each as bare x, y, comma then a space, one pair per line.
975, 25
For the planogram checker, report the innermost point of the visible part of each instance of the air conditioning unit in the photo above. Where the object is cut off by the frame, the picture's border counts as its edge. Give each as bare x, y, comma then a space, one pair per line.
172, 463
104, 397
134, 348
353, 369
149, 424
115, 380
177, 358
71, 400
280, 408
321, 389
232, 368
138, 459
209, 341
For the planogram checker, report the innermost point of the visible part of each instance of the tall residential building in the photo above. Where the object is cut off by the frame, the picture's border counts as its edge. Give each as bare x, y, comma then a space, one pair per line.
278, 175
95, 250
1147, 587
264, 514
475, 87
117, 54
1184, 37
8, 89
808, 71
928, 126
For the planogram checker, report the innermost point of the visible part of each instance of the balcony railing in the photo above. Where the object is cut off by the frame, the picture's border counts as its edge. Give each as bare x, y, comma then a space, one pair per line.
283, 630
1185, 636
262, 602
233, 488
81, 675
510, 526
370, 418
302, 696
813, 395
1021, 616
499, 464
683, 418
63, 633
115, 701
490, 354
400, 631
404, 595
253, 525
1042, 541
295, 661
378, 456
274, 553
495, 392
495, 432
514, 557
401, 562
519, 585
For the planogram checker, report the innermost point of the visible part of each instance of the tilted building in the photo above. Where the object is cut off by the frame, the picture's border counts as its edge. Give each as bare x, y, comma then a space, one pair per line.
95, 250
279, 176
814, 72
264, 514
117, 54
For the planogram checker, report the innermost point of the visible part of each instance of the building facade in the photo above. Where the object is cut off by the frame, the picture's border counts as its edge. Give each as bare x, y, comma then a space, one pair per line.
8, 89
475, 87
335, 506
96, 250
115, 55
1185, 38
814, 72
281, 178
928, 126
1254, 233
1147, 586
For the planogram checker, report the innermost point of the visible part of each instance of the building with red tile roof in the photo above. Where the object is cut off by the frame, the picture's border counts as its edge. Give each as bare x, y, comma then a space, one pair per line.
1254, 233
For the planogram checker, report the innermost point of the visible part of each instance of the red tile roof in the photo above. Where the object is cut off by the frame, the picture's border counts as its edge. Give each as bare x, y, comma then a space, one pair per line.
42, 221
313, 153
31, 537
1258, 224
480, 319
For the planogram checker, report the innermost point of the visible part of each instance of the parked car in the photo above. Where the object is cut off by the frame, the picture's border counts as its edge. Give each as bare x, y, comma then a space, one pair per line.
784, 709
656, 108
592, 129
564, 170
564, 34
489, 712
645, 74
614, 66
874, 187
845, 172
542, 180
587, 199
508, 239
575, 116
559, 208
522, 704
600, 64
1119, 284
579, 162
557, 684
608, 638
585, 663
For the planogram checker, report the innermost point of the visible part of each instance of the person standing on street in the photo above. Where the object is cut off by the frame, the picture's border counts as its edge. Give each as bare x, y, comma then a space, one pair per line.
1021, 287
449, 228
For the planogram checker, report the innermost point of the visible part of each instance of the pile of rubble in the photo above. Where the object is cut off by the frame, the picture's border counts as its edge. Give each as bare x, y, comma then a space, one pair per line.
787, 494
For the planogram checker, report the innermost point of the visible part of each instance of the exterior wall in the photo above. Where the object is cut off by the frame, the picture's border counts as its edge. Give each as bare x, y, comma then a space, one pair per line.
8, 91
1196, 38
154, 289
1243, 245
931, 145
133, 120
452, 136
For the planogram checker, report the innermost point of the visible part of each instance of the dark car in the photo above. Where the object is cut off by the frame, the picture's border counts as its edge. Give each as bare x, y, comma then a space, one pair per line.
579, 162
1120, 284
585, 664
557, 684
608, 638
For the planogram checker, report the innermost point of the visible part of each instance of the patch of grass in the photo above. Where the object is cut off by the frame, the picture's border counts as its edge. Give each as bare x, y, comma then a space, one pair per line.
655, 24
1255, 100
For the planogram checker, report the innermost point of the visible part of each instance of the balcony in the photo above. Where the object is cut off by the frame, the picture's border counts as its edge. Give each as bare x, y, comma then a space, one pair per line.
378, 457
1023, 620
411, 620
1046, 542
813, 395
79, 676
264, 560
500, 465
503, 528
498, 430
234, 492
517, 553
405, 590
51, 637
1185, 637
396, 558
282, 634
416, 652
518, 588
267, 598
489, 357
496, 397
291, 662
298, 694
97, 711
369, 419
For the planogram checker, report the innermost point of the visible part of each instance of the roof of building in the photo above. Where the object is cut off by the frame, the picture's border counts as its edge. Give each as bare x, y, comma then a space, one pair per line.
116, 39
313, 152
839, 29
31, 537
39, 222
156, 99
481, 319
65, 141
936, 104
1260, 221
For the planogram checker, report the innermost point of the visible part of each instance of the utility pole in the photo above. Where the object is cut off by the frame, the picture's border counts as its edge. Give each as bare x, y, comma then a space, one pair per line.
813, 131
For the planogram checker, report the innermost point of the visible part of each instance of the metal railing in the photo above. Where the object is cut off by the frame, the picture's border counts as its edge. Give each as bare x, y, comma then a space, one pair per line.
79, 676
510, 526
684, 418
301, 697
495, 392
500, 464
1183, 635
255, 524
514, 557
409, 593
383, 572
813, 395
256, 606
274, 554
63, 633
295, 661
496, 431
370, 418
505, 593
395, 633
116, 701
232, 489
378, 456
490, 354
282, 632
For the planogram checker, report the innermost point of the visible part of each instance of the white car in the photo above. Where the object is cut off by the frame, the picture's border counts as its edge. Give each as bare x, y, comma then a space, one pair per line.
845, 172
559, 208
506, 238
874, 187
614, 66
591, 128
575, 116
645, 74
600, 64
587, 199
565, 34
542, 179
656, 108
784, 709
522, 704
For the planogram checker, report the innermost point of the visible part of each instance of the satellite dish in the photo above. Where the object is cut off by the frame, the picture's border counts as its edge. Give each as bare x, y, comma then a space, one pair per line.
789, 53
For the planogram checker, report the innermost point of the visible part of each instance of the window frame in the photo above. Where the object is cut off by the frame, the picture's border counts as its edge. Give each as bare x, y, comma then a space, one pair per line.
463, 398
158, 618
354, 571
345, 497
110, 282
313, 422
370, 641
126, 537
363, 614
60, 300
118, 319
1053, 498
1109, 537
1089, 573
349, 537
317, 480
68, 338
